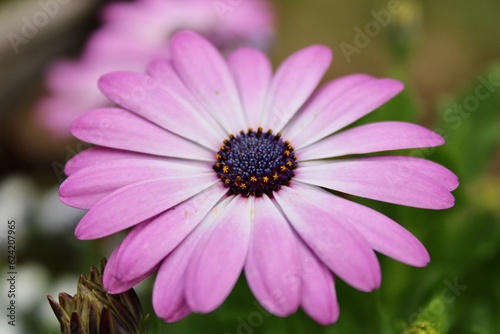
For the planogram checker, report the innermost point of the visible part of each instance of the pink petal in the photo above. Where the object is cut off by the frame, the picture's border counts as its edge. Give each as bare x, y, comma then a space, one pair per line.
98, 155
137, 202
271, 266
322, 99
409, 165
71, 92
95, 156
375, 137
109, 277
252, 72
56, 112
318, 296
163, 71
382, 233
293, 84
148, 98
352, 105
341, 247
207, 76
118, 128
218, 259
251, 23
144, 248
169, 288
88, 186
181, 312
387, 179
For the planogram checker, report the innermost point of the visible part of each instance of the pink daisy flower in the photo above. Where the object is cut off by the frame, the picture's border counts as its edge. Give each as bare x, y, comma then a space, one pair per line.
189, 162
134, 34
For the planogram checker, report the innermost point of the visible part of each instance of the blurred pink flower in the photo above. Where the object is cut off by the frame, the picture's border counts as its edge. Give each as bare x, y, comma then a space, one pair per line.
135, 33
205, 204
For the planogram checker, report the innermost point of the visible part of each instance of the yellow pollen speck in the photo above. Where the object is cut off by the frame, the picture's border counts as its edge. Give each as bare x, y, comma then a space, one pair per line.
265, 179
253, 179
243, 186
217, 165
289, 163
226, 181
225, 169
283, 168
218, 157
275, 176
287, 153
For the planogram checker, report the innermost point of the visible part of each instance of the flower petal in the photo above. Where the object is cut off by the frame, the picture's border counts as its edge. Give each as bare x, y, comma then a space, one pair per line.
95, 156
219, 257
409, 165
320, 100
135, 203
318, 296
164, 72
147, 97
169, 287
109, 279
181, 312
382, 233
252, 72
387, 179
341, 247
293, 84
87, 187
118, 128
375, 137
207, 76
144, 248
349, 107
271, 266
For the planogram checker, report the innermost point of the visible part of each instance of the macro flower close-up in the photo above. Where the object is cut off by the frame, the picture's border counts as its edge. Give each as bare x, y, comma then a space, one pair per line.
220, 166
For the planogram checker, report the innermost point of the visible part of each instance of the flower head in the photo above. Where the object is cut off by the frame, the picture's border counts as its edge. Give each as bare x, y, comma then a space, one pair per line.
221, 166
135, 33
94, 310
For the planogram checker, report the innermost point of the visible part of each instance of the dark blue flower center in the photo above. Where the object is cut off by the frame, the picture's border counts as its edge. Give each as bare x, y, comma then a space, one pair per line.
255, 163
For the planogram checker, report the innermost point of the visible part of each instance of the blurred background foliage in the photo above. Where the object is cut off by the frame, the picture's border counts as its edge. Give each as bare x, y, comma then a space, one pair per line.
442, 50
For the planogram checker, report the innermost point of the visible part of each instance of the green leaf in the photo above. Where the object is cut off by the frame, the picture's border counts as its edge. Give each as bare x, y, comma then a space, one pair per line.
430, 320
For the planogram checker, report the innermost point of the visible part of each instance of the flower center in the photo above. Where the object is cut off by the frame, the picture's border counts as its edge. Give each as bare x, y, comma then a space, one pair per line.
255, 163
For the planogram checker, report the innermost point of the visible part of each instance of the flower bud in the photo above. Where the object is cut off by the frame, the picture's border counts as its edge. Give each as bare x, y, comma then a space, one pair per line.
93, 310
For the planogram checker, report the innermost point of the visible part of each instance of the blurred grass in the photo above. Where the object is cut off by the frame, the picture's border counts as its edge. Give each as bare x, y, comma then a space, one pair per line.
458, 42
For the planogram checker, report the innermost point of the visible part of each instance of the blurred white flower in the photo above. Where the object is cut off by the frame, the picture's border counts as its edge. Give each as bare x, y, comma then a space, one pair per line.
31, 281
52, 216
17, 198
